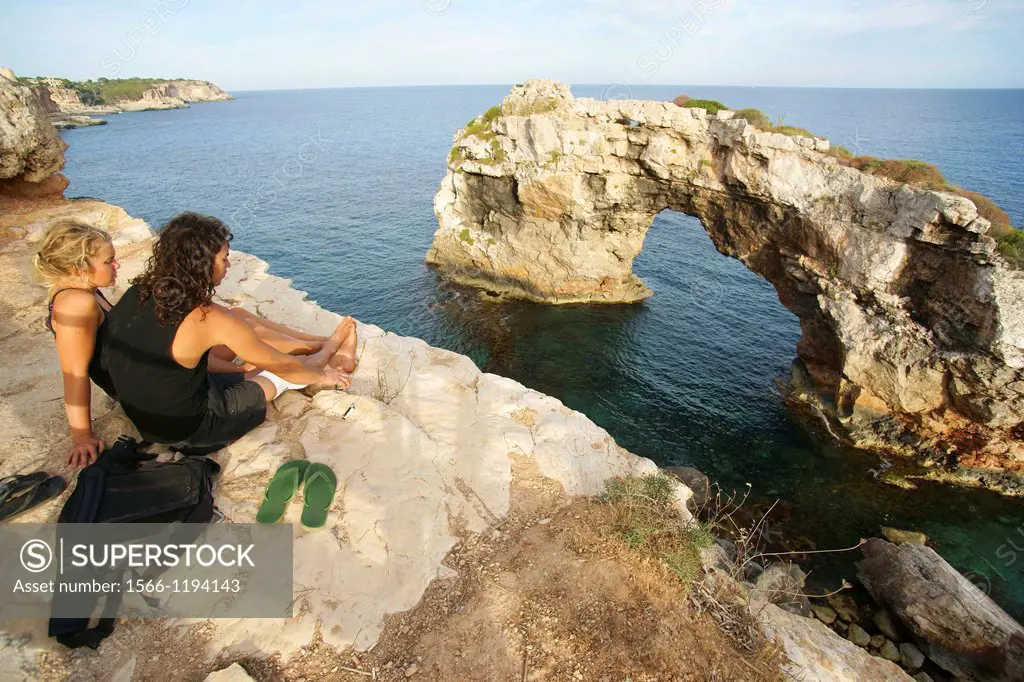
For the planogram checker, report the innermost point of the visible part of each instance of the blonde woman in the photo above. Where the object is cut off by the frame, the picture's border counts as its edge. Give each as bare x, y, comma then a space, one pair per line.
75, 260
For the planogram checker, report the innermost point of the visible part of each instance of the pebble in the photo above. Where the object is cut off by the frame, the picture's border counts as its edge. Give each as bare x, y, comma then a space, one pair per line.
889, 652
577, 675
404, 630
858, 635
412, 670
877, 641
825, 614
911, 656
883, 619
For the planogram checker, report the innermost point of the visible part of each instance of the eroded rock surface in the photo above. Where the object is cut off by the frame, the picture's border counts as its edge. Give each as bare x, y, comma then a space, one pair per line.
913, 325
30, 149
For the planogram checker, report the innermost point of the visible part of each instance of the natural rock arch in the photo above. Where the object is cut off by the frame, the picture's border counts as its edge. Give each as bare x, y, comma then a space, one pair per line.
913, 325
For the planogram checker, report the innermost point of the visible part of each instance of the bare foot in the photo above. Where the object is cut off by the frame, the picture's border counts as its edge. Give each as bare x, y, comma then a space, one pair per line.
345, 357
333, 342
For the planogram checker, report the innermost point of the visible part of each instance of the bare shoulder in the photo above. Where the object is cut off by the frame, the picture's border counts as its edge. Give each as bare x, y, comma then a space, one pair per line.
207, 322
210, 314
75, 302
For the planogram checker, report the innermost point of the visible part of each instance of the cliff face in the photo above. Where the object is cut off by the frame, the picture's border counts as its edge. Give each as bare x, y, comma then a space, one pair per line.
158, 97
64, 99
197, 91
30, 149
913, 326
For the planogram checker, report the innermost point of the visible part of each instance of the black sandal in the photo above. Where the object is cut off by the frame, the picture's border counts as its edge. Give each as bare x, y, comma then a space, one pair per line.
12, 485
26, 492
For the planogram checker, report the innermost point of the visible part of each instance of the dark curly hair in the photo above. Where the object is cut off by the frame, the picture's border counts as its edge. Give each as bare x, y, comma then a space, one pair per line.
179, 274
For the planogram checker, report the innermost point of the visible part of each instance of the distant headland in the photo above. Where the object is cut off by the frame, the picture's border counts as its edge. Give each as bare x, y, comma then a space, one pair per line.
70, 104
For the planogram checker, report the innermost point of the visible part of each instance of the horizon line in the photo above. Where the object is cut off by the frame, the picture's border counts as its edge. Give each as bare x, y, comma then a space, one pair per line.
617, 83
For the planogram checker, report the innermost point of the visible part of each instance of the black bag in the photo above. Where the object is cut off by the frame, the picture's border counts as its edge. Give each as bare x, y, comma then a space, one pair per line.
125, 485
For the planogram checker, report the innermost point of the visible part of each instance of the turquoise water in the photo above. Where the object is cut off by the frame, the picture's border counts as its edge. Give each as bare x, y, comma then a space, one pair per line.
334, 189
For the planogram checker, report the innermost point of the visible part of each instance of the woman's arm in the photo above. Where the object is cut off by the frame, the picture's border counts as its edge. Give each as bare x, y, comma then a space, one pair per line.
75, 320
229, 330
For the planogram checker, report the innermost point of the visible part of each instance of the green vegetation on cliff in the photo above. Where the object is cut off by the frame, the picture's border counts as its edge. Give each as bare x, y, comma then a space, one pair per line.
709, 105
647, 519
481, 125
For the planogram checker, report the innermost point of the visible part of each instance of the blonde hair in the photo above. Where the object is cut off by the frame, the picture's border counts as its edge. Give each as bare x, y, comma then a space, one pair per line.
65, 250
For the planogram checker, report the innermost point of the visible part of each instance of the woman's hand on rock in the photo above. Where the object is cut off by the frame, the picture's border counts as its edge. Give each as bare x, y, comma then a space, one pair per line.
336, 377
84, 451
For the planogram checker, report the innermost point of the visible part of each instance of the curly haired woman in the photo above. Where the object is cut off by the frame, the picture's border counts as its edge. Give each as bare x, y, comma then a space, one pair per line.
171, 349
75, 260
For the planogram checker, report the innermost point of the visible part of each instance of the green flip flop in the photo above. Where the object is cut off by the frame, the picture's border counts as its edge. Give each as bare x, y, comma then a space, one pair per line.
318, 493
281, 488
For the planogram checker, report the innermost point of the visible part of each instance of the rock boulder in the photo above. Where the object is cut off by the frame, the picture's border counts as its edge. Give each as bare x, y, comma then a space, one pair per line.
959, 626
30, 149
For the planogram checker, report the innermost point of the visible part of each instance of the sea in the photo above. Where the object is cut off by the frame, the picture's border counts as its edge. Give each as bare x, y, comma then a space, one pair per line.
334, 189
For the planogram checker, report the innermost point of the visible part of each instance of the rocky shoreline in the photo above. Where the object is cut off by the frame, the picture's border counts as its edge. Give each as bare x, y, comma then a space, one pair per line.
65, 108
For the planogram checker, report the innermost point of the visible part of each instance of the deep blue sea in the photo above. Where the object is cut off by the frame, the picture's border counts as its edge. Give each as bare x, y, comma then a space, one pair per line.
334, 189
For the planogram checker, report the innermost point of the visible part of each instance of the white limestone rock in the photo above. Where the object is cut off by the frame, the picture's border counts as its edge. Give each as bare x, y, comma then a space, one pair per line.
816, 654
30, 149
908, 311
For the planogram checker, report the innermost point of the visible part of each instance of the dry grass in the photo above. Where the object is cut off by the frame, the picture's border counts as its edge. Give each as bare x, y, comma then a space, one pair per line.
554, 594
647, 520
755, 117
388, 384
923, 174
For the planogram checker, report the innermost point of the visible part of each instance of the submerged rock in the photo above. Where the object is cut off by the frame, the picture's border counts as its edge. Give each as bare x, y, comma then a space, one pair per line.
912, 536
60, 123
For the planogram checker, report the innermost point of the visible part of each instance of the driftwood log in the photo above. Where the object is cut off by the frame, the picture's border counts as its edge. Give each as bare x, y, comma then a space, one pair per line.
959, 627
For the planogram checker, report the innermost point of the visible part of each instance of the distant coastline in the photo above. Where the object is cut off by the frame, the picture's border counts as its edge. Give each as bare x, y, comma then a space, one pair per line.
72, 104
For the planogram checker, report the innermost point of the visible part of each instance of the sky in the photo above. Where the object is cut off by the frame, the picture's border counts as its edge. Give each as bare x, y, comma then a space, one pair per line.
257, 45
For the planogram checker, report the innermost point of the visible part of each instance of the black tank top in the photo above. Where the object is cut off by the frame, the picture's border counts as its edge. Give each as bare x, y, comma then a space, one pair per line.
164, 400
98, 362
